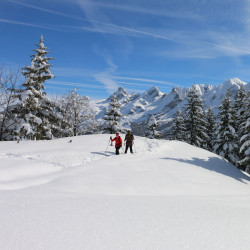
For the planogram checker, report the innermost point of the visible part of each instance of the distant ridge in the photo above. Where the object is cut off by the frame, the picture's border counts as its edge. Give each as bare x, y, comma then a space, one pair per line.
138, 107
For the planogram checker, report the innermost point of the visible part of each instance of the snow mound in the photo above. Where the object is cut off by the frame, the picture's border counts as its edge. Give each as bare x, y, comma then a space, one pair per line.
64, 194
83, 166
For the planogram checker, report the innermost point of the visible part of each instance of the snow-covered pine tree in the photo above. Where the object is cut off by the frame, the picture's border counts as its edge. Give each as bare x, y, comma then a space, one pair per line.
211, 125
178, 126
238, 108
226, 138
112, 116
78, 113
195, 119
152, 133
244, 162
34, 110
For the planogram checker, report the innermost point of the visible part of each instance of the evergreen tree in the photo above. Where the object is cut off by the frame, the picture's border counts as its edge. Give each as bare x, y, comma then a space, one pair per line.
112, 116
239, 110
34, 111
238, 106
226, 138
211, 125
244, 162
195, 119
178, 127
152, 133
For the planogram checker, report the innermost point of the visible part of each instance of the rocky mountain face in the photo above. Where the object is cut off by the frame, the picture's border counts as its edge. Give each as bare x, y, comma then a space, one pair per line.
137, 108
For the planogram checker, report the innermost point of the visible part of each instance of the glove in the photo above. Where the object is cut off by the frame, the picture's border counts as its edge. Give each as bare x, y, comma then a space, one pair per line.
110, 137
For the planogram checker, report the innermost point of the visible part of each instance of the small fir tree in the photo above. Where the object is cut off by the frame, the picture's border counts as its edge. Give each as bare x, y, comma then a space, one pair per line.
226, 138
211, 125
244, 162
112, 116
178, 127
152, 133
195, 119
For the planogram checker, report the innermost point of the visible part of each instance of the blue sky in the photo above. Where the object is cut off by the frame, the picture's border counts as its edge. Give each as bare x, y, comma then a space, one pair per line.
136, 44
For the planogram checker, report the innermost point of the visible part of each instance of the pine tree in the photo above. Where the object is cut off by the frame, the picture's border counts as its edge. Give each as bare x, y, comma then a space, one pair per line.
34, 110
238, 109
226, 138
244, 162
178, 127
112, 116
238, 106
195, 119
211, 125
152, 133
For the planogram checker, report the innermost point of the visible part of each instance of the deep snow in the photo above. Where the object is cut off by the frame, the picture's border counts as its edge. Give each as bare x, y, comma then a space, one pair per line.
168, 195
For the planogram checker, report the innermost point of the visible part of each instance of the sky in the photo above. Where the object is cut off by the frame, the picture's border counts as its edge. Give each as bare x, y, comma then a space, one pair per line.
102, 45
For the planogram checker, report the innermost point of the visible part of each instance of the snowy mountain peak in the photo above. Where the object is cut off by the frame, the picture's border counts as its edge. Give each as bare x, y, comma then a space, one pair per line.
233, 81
121, 93
121, 90
233, 85
137, 107
153, 92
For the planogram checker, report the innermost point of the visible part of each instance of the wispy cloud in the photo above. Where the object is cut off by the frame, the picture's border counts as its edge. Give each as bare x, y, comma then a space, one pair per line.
206, 43
148, 11
45, 10
106, 76
21, 23
2, 20
153, 81
76, 84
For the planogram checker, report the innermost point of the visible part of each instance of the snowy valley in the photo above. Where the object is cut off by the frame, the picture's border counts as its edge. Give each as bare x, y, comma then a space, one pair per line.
73, 195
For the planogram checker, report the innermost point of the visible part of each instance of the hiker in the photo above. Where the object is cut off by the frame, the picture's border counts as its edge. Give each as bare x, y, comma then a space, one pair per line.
118, 143
129, 138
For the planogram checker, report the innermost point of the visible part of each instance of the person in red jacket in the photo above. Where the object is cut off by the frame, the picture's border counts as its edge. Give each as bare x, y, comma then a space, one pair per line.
118, 143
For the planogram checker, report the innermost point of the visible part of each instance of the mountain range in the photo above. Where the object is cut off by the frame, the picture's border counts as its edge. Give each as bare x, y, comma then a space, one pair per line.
138, 107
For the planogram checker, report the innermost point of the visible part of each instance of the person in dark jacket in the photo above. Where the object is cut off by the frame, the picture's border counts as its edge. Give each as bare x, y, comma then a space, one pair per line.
118, 143
129, 138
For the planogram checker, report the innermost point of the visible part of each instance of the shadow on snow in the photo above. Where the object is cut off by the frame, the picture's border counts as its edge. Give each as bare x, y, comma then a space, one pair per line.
216, 164
108, 153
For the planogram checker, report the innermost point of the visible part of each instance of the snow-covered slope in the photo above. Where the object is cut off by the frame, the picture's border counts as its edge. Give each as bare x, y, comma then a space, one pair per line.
168, 195
139, 107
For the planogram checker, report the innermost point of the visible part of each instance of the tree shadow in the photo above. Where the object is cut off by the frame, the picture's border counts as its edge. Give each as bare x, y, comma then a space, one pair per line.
218, 165
103, 153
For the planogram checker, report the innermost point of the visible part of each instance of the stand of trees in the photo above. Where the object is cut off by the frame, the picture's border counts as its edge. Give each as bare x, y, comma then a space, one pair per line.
227, 134
27, 113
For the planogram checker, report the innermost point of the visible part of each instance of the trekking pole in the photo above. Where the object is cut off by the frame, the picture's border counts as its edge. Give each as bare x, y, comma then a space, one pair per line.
107, 147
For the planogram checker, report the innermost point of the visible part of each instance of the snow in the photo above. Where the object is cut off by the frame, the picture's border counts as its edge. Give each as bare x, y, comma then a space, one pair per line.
139, 107
168, 195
